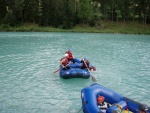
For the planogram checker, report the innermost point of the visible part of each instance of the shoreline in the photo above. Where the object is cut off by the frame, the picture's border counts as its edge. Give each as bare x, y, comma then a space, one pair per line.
104, 27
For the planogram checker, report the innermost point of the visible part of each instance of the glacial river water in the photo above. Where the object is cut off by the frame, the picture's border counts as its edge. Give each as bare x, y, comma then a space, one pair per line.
28, 60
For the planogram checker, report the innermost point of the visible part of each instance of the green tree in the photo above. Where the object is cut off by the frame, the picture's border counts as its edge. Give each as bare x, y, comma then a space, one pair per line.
30, 10
53, 12
97, 11
85, 11
10, 17
124, 9
3, 10
69, 15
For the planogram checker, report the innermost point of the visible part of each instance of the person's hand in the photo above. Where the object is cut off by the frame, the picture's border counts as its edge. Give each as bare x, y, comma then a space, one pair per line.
63, 66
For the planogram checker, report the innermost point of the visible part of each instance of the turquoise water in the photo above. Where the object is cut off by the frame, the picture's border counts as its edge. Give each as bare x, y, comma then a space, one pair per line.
28, 60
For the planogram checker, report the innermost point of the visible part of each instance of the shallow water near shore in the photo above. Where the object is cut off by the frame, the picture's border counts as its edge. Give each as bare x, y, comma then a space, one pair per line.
28, 60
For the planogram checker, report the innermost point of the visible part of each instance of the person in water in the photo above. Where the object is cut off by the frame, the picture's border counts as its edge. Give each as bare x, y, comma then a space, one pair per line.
64, 62
85, 63
102, 104
70, 56
143, 108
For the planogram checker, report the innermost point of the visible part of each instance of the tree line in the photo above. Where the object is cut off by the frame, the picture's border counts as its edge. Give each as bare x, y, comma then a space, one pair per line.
68, 13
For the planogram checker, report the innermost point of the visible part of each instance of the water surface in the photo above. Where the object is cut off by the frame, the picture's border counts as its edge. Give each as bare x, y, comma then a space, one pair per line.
28, 60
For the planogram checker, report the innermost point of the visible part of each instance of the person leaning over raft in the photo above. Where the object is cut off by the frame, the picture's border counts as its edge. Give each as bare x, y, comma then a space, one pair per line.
70, 56
85, 63
101, 104
64, 62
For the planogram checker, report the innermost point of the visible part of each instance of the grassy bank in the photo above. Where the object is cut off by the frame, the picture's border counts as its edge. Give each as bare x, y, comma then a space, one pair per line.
103, 27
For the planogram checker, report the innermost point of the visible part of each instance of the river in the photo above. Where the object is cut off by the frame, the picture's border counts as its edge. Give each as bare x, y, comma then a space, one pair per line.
28, 60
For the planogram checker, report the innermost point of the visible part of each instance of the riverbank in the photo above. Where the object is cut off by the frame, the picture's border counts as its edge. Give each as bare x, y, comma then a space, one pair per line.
104, 27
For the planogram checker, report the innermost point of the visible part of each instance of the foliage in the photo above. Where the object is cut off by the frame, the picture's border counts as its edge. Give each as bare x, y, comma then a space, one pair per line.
3, 10
66, 14
85, 11
105, 27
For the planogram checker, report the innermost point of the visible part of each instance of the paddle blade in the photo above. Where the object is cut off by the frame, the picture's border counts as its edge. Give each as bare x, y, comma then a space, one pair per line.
93, 78
56, 71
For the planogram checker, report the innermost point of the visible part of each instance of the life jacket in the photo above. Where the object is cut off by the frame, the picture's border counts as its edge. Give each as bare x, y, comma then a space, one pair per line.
70, 56
64, 61
86, 64
104, 106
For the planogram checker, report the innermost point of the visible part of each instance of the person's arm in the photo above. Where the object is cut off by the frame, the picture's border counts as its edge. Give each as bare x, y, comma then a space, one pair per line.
86, 63
61, 62
72, 55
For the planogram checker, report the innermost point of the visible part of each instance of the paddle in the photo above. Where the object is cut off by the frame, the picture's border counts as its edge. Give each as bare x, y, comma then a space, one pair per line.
56, 71
92, 77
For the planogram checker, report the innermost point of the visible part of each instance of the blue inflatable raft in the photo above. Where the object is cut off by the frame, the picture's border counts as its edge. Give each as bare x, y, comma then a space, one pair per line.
75, 71
89, 100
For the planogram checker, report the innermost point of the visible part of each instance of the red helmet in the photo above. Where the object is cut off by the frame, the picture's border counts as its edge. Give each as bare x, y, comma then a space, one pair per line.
101, 98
